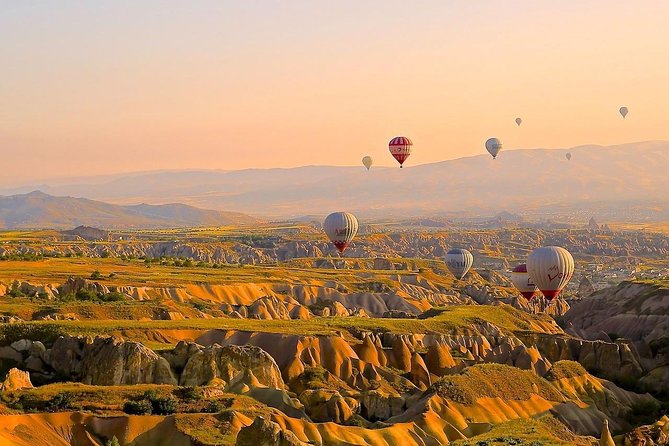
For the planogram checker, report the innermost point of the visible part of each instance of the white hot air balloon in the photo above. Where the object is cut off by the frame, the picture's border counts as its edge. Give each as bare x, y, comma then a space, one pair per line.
367, 161
493, 146
623, 111
522, 281
459, 261
519, 121
551, 268
568, 156
340, 227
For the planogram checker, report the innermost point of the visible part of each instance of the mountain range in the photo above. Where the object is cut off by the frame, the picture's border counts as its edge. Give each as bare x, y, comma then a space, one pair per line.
37, 210
625, 180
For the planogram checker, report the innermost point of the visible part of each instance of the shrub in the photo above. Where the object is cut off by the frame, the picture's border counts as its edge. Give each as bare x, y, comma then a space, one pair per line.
69, 297
59, 402
84, 294
113, 442
112, 296
140, 407
15, 291
199, 306
25, 330
164, 405
191, 393
217, 406
95, 275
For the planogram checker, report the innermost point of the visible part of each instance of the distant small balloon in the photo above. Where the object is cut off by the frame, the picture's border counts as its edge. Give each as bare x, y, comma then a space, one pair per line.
568, 155
623, 111
519, 121
367, 162
493, 146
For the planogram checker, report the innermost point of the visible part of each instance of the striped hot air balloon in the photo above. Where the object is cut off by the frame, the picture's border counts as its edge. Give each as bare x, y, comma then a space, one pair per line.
459, 261
400, 148
551, 269
341, 227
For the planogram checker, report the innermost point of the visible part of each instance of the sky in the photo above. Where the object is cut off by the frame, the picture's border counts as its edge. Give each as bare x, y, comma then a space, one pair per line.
97, 87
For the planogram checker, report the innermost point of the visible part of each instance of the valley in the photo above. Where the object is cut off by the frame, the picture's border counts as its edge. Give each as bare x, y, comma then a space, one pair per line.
233, 335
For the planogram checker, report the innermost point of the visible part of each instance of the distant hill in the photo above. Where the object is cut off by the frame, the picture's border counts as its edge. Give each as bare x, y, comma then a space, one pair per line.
40, 210
626, 180
86, 233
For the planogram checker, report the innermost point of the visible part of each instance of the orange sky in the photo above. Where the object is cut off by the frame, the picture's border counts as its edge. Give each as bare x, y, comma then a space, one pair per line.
110, 86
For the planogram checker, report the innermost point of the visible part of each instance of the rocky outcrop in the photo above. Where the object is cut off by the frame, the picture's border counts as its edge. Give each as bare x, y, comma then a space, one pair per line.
605, 439
612, 360
233, 365
651, 435
263, 432
585, 287
16, 379
328, 405
108, 362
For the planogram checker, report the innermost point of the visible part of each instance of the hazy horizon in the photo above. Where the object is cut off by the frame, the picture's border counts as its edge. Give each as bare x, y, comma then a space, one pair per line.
92, 88
75, 179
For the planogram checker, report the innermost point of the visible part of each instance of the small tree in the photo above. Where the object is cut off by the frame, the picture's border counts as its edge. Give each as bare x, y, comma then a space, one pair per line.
113, 442
96, 275
141, 407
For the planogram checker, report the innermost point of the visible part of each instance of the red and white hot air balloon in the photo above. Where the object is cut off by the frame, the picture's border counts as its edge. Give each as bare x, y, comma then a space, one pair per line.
400, 148
522, 281
341, 227
551, 269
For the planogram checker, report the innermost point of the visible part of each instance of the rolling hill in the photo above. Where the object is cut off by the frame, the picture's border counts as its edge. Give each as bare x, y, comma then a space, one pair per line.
625, 179
39, 210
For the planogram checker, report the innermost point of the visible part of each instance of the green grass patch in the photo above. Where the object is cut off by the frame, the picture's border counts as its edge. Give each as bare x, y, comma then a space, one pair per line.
494, 381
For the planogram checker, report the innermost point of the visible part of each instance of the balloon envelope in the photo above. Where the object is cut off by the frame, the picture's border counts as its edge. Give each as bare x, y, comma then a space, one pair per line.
367, 161
519, 121
340, 228
493, 146
623, 111
522, 281
550, 268
400, 148
459, 261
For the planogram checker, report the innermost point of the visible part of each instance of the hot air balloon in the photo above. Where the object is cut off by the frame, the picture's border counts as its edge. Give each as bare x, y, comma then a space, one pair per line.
340, 227
623, 111
459, 261
367, 161
519, 121
400, 148
493, 146
568, 156
522, 281
550, 268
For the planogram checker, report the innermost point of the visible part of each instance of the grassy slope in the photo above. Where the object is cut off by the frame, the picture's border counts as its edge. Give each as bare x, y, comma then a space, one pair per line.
136, 273
453, 318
